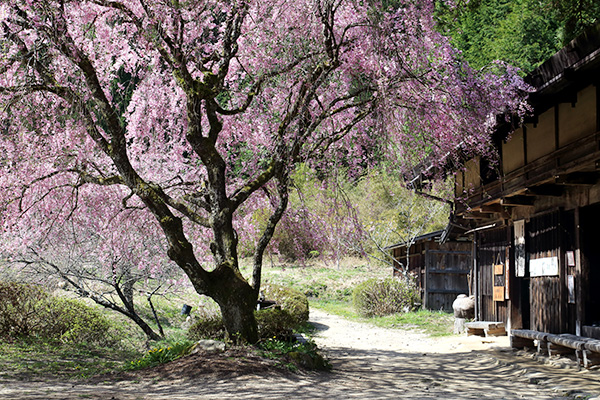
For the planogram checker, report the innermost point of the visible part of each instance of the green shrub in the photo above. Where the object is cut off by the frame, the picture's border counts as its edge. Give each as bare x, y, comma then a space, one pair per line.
378, 297
274, 323
271, 322
72, 321
29, 311
161, 354
291, 300
315, 289
19, 305
207, 326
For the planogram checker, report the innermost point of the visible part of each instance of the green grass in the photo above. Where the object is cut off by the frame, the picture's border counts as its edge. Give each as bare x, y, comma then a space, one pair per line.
328, 286
32, 359
434, 323
318, 279
164, 352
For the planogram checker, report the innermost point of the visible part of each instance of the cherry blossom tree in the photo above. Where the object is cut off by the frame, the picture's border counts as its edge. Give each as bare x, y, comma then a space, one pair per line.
196, 112
117, 262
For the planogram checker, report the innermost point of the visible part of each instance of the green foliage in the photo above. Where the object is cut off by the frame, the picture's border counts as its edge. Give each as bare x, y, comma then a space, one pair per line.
275, 323
71, 321
523, 33
28, 311
272, 323
391, 213
19, 305
315, 289
161, 354
575, 16
291, 300
378, 297
344, 216
207, 326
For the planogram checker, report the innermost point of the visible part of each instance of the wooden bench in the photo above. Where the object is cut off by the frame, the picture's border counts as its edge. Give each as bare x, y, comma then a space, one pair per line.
485, 328
565, 343
522, 338
591, 353
587, 350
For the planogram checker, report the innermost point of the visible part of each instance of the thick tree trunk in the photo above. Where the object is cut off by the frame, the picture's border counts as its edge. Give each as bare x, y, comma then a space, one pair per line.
238, 318
237, 301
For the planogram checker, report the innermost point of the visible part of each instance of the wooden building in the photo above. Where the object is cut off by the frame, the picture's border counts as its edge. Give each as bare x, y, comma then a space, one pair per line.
535, 220
441, 270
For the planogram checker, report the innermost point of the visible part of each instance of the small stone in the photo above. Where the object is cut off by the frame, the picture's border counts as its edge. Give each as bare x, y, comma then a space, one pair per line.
213, 346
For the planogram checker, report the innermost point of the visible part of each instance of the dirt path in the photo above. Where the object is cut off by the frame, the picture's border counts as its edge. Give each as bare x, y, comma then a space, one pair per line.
369, 363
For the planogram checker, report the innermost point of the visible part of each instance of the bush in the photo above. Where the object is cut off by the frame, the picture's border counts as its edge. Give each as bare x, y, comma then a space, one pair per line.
19, 306
291, 300
161, 354
72, 321
28, 311
378, 297
207, 326
274, 323
271, 323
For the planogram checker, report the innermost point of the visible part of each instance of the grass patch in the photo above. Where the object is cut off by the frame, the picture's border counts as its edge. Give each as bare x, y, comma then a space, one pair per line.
337, 307
433, 323
163, 353
35, 359
317, 279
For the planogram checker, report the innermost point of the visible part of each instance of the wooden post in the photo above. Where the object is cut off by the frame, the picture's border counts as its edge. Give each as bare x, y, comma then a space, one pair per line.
562, 275
428, 266
477, 279
579, 293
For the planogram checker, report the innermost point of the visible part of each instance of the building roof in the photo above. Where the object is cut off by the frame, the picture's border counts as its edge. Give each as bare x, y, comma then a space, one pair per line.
427, 236
567, 71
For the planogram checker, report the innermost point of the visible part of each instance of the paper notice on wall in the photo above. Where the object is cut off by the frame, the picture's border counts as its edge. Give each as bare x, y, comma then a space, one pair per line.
547, 266
520, 248
571, 288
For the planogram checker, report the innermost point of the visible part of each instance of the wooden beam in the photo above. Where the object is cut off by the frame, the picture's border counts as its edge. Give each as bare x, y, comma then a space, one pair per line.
492, 208
496, 209
477, 215
551, 190
582, 178
518, 201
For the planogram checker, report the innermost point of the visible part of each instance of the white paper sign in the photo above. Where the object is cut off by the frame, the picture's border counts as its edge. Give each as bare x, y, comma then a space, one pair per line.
547, 266
520, 248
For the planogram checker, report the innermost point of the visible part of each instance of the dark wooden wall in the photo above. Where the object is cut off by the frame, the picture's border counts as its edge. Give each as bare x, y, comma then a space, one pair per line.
552, 235
543, 237
447, 275
442, 271
493, 246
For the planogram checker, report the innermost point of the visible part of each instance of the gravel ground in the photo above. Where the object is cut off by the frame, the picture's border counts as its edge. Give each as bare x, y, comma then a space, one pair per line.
369, 363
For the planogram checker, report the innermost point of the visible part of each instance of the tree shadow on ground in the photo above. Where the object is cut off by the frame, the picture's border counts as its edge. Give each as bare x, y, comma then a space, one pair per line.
361, 374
